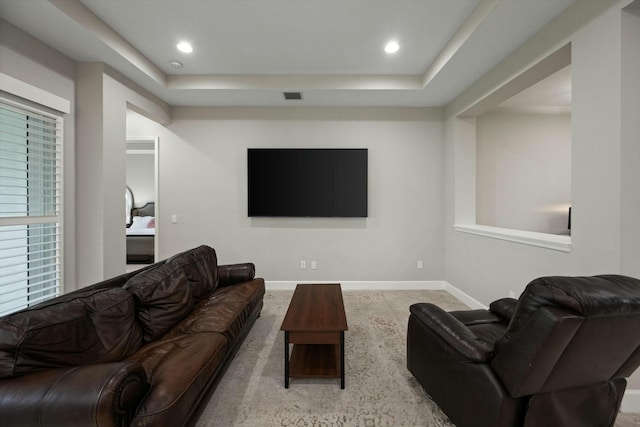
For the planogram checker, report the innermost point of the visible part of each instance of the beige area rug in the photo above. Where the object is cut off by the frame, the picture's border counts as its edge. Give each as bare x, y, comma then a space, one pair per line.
379, 391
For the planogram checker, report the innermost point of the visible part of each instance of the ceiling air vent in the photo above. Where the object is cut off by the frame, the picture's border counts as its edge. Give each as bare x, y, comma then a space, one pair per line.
292, 96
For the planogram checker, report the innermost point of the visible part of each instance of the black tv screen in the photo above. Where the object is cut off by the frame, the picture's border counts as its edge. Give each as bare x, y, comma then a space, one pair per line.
291, 182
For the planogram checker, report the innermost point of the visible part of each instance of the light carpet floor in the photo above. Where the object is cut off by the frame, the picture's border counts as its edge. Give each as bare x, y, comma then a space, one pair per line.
380, 391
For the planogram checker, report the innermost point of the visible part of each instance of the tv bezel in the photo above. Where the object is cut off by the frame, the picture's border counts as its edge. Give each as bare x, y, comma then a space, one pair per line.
363, 214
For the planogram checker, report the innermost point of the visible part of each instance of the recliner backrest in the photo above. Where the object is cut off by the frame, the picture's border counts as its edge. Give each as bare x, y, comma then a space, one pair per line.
570, 332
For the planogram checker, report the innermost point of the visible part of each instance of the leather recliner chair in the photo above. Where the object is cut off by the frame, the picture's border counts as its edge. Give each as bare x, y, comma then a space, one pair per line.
558, 356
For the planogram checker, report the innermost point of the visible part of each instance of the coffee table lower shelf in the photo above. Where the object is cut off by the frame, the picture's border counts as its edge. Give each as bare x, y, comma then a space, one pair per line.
309, 360
315, 361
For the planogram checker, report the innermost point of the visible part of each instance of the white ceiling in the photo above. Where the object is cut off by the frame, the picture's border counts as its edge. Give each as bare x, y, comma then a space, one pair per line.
247, 52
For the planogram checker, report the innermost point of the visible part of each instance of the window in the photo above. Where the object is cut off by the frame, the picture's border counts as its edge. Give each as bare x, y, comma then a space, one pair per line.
30, 206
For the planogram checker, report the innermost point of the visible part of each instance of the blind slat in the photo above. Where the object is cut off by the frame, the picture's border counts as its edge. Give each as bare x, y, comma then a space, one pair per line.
7, 296
31, 277
14, 130
31, 147
53, 285
15, 263
50, 259
51, 239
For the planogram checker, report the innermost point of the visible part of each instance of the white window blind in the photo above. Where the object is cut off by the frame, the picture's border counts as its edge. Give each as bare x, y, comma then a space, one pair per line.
30, 206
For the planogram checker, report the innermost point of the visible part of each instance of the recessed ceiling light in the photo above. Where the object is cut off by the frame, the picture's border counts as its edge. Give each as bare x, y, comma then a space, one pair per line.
184, 47
392, 47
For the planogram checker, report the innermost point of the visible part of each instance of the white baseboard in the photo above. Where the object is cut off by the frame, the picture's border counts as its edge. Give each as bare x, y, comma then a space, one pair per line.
431, 285
465, 298
631, 401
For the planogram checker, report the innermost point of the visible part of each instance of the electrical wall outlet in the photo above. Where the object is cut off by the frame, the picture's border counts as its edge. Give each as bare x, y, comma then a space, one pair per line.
303, 264
420, 265
314, 265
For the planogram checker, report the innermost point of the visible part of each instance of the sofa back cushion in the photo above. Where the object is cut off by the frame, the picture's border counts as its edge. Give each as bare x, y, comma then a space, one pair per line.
98, 326
200, 265
163, 298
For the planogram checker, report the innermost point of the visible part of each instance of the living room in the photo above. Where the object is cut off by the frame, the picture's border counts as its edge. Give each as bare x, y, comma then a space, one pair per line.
421, 227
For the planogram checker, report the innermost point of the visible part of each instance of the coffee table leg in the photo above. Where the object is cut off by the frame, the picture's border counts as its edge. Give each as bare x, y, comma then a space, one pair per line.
342, 360
286, 359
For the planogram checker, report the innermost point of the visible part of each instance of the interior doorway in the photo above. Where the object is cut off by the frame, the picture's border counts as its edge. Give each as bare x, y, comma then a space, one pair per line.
141, 201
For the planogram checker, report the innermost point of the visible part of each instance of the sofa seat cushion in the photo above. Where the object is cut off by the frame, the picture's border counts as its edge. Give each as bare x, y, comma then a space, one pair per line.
200, 265
251, 292
179, 369
94, 327
163, 298
226, 311
227, 318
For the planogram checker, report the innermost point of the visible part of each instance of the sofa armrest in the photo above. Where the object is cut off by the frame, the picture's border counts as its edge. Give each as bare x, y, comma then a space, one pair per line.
504, 307
105, 394
233, 274
460, 338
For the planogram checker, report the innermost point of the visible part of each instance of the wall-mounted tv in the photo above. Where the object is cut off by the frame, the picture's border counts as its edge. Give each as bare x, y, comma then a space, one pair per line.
307, 182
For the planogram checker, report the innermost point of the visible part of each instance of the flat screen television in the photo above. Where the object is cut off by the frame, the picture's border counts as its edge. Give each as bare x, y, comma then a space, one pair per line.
307, 182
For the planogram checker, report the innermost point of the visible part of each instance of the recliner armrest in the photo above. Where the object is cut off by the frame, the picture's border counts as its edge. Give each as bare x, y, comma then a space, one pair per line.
232, 274
105, 394
504, 307
452, 331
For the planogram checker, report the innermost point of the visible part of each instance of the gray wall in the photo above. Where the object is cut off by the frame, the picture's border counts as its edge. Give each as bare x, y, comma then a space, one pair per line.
140, 178
524, 171
630, 172
203, 181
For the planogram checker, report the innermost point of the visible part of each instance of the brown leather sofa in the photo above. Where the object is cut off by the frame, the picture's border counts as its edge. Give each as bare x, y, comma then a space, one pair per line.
141, 349
558, 356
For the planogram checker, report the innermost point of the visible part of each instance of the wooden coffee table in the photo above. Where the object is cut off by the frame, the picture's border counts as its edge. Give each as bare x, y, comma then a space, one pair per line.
315, 324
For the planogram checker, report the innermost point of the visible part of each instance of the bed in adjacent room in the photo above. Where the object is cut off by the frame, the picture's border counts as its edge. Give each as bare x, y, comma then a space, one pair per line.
141, 235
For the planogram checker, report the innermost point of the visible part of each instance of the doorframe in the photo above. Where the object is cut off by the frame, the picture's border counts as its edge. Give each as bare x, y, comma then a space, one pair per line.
156, 179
